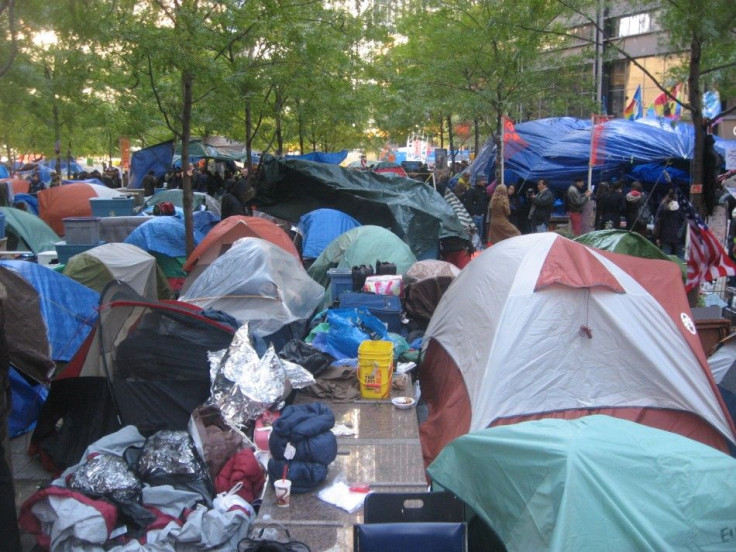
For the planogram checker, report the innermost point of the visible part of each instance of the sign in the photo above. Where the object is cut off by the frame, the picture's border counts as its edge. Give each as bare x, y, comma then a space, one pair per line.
125, 153
731, 158
696, 189
440, 158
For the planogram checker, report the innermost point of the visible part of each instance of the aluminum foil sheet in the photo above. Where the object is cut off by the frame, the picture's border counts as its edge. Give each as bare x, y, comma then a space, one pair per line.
172, 453
109, 476
244, 386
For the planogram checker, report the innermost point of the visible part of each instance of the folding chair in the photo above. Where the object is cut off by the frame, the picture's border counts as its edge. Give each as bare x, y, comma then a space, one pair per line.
412, 522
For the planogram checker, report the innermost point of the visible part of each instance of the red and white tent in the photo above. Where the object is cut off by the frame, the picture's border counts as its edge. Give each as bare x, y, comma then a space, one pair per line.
539, 326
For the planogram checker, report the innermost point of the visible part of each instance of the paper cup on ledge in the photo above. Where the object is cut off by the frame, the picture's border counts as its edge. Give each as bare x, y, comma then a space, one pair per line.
282, 489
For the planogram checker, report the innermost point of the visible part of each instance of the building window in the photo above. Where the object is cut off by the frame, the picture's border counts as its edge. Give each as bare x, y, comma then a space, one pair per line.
631, 25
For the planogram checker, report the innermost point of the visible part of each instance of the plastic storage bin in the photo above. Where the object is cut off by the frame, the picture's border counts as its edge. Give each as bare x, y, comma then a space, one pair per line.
375, 368
341, 281
114, 207
82, 230
65, 251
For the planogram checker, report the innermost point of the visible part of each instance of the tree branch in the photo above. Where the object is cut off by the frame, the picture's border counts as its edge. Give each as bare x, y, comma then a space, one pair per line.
9, 6
158, 99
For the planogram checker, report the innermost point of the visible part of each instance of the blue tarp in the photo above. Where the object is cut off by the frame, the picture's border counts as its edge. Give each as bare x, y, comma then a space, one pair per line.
164, 234
68, 308
156, 158
332, 158
30, 201
27, 400
87, 181
4, 173
559, 150
319, 227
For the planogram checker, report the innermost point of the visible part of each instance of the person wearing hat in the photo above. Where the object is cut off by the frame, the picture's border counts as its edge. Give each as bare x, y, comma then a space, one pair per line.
576, 199
475, 202
670, 226
235, 201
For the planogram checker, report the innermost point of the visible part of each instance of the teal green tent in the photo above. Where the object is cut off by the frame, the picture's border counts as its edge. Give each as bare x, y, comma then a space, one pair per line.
414, 211
363, 245
176, 197
628, 243
27, 232
592, 484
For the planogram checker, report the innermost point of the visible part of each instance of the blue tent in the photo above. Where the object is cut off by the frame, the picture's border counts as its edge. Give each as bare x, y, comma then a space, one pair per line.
4, 173
319, 227
333, 158
68, 308
163, 235
558, 149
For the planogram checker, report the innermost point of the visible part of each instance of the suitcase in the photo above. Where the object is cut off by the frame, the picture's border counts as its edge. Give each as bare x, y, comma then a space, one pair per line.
386, 308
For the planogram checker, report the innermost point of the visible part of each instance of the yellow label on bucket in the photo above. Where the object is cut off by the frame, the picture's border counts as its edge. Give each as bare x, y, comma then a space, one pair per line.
375, 364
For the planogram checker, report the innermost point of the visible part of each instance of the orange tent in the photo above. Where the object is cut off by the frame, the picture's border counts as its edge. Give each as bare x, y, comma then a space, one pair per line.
70, 200
18, 185
225, 233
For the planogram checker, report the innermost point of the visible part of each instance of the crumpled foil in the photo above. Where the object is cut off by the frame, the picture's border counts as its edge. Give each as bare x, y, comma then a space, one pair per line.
244, 386
109, 476
172, 453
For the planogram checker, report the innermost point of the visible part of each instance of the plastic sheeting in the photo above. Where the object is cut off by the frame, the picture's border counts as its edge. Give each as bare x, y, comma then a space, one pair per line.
29, 231
319, 227
414, 211
68, 308
156, 158
595, 483
331, 158
273, 292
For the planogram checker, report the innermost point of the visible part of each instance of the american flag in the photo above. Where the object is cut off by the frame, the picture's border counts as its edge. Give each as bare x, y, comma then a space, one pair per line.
707, 260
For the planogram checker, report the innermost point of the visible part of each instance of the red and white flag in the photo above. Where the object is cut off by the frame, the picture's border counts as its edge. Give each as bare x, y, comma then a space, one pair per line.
707, 260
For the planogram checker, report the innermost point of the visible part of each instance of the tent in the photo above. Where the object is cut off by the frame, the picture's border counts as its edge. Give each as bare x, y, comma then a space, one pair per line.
319, 227
332, 158
72, 200
227, 232
200, 201
273, 292
146, 364
27, 232
427, 283
554, 328
68, 309
595, 483
98, 266
363, 245
722, 363
290, 188
628, 243
156, 158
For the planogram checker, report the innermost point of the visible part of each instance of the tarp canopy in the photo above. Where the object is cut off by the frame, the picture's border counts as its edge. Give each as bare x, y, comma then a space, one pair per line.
98, 266
68, 309
274, 291
559, 150
156, 158
331, 158
318, 228
164, 234
27, 232
595, 483
414, 211
560, 329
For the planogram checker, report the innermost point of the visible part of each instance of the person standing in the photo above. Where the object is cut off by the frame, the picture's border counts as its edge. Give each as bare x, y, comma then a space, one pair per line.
637, 209
475, 201
669, 226
500, 227
9, 532
542, 203
612, 206
576, 199
235, 200
149, 184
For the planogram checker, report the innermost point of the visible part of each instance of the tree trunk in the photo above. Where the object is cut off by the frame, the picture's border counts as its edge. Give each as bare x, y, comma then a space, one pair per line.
57, 138
248, 133
442, 133
476, 142
499, 147
696, 171
450, 141
279, 137
186, 130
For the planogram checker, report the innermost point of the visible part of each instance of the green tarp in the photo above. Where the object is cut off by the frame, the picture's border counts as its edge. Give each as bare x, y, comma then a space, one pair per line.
594, 483
414, 211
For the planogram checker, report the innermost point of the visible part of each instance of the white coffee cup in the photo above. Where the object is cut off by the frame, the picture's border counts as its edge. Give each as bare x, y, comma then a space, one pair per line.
282, 489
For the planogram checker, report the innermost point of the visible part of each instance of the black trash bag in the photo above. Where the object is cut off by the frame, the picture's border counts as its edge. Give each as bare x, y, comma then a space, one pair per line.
306, 356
